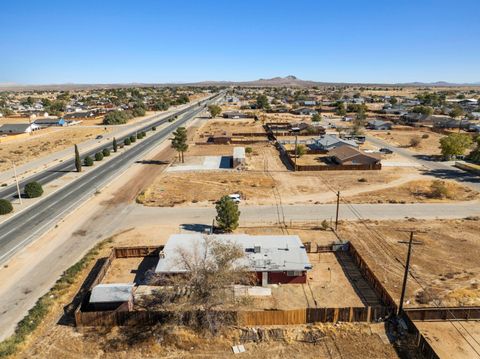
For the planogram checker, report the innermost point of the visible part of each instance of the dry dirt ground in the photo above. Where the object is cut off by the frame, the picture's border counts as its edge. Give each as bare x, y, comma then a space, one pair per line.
402, 138
44, 142
445, 266
266, 179
459, 340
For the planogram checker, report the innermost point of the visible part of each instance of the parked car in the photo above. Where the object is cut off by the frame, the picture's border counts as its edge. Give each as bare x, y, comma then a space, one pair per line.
99, 137
235, 197
386, 151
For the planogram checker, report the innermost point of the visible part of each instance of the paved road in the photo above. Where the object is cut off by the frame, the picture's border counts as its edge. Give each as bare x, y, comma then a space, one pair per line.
140, 215
63, 168
27, 225
443, 170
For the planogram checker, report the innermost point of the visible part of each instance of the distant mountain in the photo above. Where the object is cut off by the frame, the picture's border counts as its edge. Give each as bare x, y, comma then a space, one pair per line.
288, 81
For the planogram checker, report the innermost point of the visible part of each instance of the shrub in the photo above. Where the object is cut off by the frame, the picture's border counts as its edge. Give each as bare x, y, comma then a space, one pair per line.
98, 156
248, 150
144, 134
5, 207
325, 225
154, 128
438, 189
139, 135
33, 190
133, 139
363, 179
425, 136
106, 152
117, 118
88, 161
415, 141
127, 142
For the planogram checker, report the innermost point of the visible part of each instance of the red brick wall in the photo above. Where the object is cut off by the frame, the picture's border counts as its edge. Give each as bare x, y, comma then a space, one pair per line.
281, 277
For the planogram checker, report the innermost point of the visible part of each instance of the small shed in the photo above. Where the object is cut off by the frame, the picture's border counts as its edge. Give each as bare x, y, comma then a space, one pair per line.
238, 156
111, 295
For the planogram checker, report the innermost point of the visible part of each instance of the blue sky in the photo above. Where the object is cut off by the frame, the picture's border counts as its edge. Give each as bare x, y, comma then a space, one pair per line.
104, 41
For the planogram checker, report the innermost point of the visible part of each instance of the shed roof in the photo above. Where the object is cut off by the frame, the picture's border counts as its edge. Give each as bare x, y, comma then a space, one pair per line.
111, 293
262, 253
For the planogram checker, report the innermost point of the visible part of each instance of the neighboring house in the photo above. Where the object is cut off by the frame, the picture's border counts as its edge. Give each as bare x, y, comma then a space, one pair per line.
448, 122
112, 295
274, 259
379, 125
236, 114
79, 114
17, 128
476, 115
474, 127
329, 142
238, 156
308, 103
50, 121
347, 155
304, 111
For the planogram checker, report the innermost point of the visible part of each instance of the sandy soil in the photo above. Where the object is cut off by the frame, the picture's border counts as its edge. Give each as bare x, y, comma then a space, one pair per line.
452, 339
427, 146
446, 264
414, 192
44, 142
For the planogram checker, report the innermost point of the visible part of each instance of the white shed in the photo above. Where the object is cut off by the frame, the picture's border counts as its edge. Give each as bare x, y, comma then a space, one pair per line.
238, 156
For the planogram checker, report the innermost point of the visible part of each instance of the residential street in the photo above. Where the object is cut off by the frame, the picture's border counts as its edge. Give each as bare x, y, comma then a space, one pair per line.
442, 170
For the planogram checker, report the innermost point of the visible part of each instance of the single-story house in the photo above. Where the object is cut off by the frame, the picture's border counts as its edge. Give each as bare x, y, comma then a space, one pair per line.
308, 103
274, 259
329, 142
348, 155
476, 115
474, 127
110, 296
79, 114
304, 111
17, 128
379, 125
236, 114
238, 156
50, 121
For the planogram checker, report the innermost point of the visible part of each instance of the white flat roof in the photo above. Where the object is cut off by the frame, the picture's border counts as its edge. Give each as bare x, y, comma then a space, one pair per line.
239, 152
262, 253
112, 292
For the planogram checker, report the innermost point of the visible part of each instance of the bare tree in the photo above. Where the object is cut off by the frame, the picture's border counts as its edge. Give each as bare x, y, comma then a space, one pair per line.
206, 287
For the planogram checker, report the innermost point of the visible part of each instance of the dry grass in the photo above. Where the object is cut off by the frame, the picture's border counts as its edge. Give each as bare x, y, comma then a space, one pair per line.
446, 264
417, 191
427, 146
44, 142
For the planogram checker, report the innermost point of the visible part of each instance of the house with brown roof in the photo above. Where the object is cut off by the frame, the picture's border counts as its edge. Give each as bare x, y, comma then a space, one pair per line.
348, 155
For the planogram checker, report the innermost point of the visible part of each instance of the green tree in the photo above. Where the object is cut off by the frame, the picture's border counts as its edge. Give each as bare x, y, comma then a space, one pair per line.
179, 142
340, 109
456, 111
474, 156
117, 118
33, 190
393, 100
316, 117
425, 110
262, 102
106, 152
88, 161
5, 207
98, 156
455, 144
214, 110
227, 214
78, 161
115, 145
127, 142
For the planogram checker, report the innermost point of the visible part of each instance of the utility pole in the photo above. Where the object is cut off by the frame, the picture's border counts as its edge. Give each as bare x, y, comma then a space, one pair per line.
296, 151
16, 180
338, 208
407, 268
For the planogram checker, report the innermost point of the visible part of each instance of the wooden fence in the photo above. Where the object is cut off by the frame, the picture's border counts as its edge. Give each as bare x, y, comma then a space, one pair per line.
443, 313
129, 252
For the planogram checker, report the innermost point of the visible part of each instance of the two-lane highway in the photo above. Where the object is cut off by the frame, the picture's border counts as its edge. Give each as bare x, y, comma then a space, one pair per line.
34, 220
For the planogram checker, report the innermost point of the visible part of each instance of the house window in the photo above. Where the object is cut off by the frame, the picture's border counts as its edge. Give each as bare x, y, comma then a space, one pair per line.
293, 273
